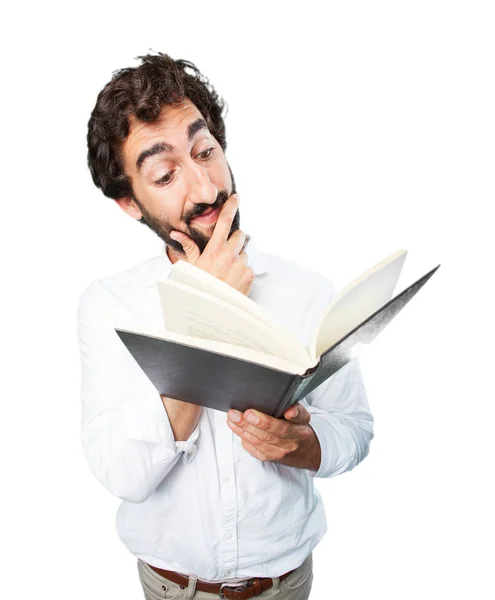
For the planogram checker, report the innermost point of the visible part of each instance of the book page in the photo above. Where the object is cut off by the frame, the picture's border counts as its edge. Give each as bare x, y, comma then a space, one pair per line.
187, 274
189, 311
356, 302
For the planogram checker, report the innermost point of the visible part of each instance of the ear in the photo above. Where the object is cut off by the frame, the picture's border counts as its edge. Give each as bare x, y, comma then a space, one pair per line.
128, 205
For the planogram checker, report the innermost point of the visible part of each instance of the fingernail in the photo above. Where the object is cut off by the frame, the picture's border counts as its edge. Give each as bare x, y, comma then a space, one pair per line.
295, 414
235, 416
252, 418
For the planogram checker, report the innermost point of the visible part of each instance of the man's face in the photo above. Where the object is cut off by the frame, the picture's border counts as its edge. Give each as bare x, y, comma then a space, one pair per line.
178, 172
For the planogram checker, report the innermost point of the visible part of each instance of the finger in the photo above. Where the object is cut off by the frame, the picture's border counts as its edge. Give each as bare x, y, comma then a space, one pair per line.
190, 249
263, 426
243, 258
297, 413
267, 446
224, 222
253, 451
236, 242
264, 454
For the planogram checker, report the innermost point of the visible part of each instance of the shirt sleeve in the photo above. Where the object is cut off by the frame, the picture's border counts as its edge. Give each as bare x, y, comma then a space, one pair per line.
126, 433
341, 420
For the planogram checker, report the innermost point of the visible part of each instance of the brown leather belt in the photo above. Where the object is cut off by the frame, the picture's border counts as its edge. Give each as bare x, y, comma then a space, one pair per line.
232, 591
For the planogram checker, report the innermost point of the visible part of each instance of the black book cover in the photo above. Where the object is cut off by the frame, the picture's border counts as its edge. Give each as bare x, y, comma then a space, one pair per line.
223, 382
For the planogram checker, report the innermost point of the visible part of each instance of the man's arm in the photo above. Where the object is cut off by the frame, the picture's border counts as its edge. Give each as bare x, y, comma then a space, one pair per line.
131, 439
308, 453
289, 440
127, 433
183, 417
330, 434
341, 419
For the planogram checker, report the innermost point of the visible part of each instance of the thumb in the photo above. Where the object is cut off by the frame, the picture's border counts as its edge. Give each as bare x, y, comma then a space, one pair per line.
297, 414
189, 247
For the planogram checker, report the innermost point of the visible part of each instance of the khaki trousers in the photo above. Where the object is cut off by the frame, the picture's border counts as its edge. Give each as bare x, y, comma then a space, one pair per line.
294, 587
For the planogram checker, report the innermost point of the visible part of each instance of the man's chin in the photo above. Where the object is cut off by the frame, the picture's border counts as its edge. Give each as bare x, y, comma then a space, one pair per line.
201, 234
200, 238
175, 246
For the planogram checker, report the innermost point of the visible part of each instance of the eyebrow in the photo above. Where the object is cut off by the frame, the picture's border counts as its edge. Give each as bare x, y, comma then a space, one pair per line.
159, 147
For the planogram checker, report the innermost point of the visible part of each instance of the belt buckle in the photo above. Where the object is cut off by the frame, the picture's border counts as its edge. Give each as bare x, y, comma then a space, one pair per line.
235, 586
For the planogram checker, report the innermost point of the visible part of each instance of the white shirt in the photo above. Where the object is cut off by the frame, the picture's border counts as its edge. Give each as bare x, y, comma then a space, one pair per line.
205, 506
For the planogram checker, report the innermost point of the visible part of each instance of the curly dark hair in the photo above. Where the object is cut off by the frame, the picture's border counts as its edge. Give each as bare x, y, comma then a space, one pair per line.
142, 92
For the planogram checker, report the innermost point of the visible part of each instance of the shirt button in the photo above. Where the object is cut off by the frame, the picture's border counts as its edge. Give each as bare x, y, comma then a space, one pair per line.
227, 536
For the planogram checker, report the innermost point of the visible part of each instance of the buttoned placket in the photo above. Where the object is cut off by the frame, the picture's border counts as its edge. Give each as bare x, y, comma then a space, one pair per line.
228, 497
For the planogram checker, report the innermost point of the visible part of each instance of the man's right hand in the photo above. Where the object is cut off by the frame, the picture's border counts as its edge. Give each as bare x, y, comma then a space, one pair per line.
223, 257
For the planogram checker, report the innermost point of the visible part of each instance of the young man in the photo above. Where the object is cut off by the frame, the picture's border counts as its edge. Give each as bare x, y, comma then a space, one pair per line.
214, 504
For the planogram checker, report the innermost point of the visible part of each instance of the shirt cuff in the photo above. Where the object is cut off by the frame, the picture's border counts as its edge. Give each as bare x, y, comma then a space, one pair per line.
317, 425
188, 446
154, 427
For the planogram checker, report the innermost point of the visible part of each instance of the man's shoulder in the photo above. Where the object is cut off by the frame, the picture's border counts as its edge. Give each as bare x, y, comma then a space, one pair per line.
121, 283
294, 293
292, 274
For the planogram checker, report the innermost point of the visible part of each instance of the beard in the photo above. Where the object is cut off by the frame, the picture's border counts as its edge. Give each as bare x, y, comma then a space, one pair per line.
163, 229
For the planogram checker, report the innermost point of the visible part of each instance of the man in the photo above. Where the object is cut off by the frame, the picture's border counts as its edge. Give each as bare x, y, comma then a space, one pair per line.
214, 504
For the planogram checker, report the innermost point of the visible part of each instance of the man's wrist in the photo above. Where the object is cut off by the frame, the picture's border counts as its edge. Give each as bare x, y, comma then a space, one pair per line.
308, 455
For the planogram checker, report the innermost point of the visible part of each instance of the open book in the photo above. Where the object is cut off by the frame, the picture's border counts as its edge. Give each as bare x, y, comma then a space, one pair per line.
222, 350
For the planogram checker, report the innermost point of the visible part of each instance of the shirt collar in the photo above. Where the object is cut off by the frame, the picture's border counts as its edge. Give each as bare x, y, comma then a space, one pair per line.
160, 268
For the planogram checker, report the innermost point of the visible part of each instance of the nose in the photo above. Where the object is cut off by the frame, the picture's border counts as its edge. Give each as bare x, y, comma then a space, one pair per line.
201, 190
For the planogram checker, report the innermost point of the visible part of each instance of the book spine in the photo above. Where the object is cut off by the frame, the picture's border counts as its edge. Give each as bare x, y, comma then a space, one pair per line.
284, 401
299, 392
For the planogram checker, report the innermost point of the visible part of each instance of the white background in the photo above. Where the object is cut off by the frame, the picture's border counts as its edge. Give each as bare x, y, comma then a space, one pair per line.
354, 129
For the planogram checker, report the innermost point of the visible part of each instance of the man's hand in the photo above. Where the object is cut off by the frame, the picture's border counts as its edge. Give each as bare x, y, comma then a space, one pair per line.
290, 440
223, 256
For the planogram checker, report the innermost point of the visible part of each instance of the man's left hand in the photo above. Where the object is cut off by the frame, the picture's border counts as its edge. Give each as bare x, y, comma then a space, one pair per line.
289, 440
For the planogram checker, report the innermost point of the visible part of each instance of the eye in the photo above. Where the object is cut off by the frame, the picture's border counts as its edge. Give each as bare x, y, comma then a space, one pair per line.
166, 179
209, 155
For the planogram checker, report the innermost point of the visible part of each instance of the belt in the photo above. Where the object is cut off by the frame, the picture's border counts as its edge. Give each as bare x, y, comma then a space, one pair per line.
235, 591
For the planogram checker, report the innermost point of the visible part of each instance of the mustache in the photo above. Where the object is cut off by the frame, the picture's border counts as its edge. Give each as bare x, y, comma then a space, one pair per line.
199, 209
